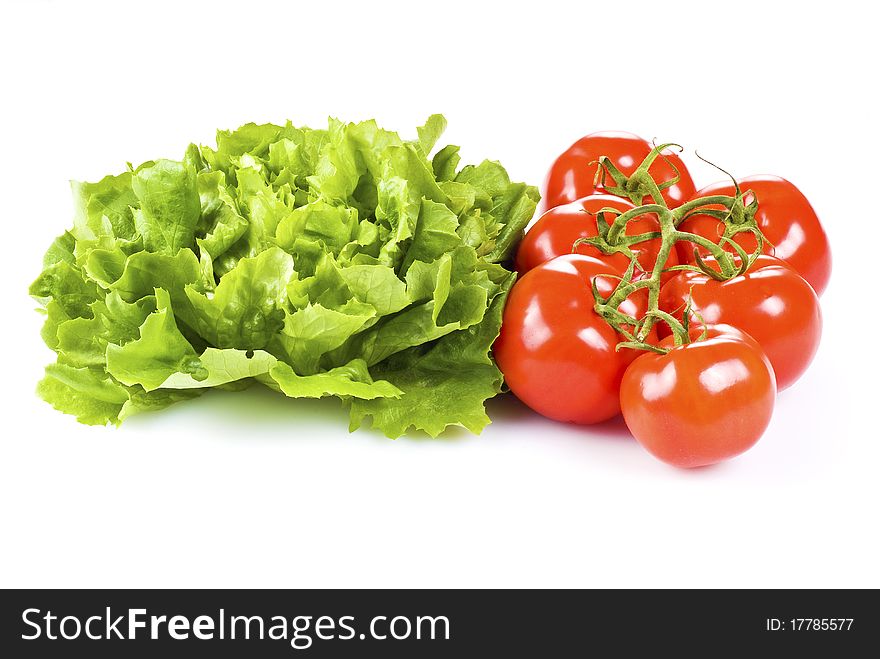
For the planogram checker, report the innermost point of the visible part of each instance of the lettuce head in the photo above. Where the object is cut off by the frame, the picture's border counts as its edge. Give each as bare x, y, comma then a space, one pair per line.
342, 262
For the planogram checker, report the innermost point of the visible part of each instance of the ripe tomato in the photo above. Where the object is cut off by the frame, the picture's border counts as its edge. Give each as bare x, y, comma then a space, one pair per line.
702, 402
571, 175
770, 302
787, 220
557, 354
556, 231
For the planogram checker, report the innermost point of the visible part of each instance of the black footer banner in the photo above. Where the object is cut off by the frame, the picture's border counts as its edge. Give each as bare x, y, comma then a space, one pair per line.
431, 623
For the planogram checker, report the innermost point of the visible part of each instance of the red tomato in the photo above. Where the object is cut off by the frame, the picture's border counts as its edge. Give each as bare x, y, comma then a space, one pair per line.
556, 231
557, 354
700, 403
787, 220
571, 175
771, 303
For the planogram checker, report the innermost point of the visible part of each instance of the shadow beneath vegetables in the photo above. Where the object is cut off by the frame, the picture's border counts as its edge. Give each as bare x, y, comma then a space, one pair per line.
251, 408
258, 407
507, 408
609, 443
258, 413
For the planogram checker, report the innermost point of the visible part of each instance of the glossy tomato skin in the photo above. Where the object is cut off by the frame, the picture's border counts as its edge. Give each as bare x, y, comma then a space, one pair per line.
557, 354
700, 403
771, 303
572, 174
556, 231
787, 220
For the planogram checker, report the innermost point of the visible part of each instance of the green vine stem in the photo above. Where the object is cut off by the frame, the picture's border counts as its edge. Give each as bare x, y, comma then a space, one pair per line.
735, 214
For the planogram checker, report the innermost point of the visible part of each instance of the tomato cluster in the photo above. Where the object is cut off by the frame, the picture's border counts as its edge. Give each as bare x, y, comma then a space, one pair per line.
685, 310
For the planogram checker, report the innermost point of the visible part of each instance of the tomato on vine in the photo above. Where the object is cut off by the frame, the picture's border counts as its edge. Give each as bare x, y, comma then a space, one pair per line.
770, 302
790, 226
557, 354
557, 231
701, 402
578, 340
573, 174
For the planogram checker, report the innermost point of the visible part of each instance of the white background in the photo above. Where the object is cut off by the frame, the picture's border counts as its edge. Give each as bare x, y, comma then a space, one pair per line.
250, 489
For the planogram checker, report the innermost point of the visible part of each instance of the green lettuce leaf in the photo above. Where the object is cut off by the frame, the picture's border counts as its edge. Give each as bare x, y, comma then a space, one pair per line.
87, 393
222, 367
342, 261
220, 224
443, 384
169, 205
112, 198
83, 341
144, 272
245, 310
157, 353
351, 380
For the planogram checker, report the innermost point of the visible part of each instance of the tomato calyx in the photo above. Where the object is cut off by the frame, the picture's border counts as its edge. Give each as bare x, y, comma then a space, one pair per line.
640, 183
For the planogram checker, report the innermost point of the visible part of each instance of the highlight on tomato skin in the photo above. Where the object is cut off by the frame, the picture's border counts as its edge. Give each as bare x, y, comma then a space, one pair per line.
770, 302
572, 174
558, 356
556, 231
703, 402
788, 221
